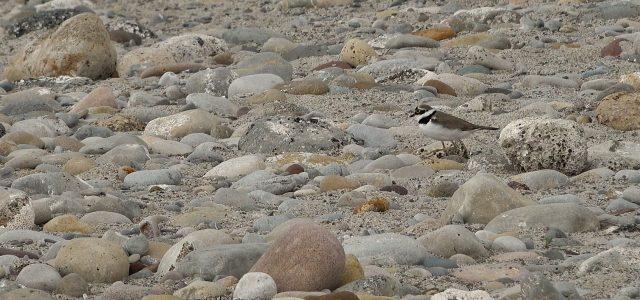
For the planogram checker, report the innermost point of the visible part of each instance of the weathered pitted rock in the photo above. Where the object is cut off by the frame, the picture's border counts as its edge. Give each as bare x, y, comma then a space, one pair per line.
79, 47
16, 211
481, 198
534, 144
392, 67
274, 136
122, 30
43, 20
568, 217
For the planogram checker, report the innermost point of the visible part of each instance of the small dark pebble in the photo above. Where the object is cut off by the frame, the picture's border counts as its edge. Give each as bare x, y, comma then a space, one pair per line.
295, 169
518, 186
400, 190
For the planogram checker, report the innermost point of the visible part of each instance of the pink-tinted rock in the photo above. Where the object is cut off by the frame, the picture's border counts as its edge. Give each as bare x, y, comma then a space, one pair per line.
306, 258
101, 96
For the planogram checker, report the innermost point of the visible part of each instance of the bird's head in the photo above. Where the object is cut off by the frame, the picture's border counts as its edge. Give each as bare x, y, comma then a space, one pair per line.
421, 109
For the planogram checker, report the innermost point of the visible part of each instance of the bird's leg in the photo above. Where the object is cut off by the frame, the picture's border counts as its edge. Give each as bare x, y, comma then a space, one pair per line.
444, 148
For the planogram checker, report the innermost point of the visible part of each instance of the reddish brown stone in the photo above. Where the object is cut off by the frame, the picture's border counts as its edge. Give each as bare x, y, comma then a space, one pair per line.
334, 296
295, 169
136, 267
612, 49
400, 190
441, 87
335, 63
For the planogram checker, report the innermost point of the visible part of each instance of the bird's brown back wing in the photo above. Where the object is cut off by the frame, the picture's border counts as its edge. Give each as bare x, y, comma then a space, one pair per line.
456, 123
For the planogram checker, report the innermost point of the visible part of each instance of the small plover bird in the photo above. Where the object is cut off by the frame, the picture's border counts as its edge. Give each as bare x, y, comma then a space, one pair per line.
442, 126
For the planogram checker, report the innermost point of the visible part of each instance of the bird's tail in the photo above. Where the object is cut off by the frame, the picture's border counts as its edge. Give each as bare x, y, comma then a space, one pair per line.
487, 128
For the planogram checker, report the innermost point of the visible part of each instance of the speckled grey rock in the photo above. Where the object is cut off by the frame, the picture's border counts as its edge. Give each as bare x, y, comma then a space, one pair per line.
265, 63
537, 286
103, 145
125, 155
211, 81
253, 84
410, 40
40, 277
372, 136
138, 244
273, 136
217, 105
145, 99
242, 35
376, 285
568, 217
453, 239
152, 177
268, 223
221, 260
385, 249
36, 99
49, 183
615, 155
542, 179
255, 286
481, 198
207, 152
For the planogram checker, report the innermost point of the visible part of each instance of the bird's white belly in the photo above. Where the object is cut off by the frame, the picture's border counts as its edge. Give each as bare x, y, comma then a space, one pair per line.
441, 133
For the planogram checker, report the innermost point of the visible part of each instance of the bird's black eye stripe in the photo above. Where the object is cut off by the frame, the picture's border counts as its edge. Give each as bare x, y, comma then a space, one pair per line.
426, 119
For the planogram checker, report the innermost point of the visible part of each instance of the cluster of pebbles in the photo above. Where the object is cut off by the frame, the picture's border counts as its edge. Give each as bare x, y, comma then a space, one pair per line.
253, 149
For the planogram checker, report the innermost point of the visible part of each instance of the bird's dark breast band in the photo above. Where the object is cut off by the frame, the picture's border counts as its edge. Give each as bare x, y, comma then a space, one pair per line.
427, 118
